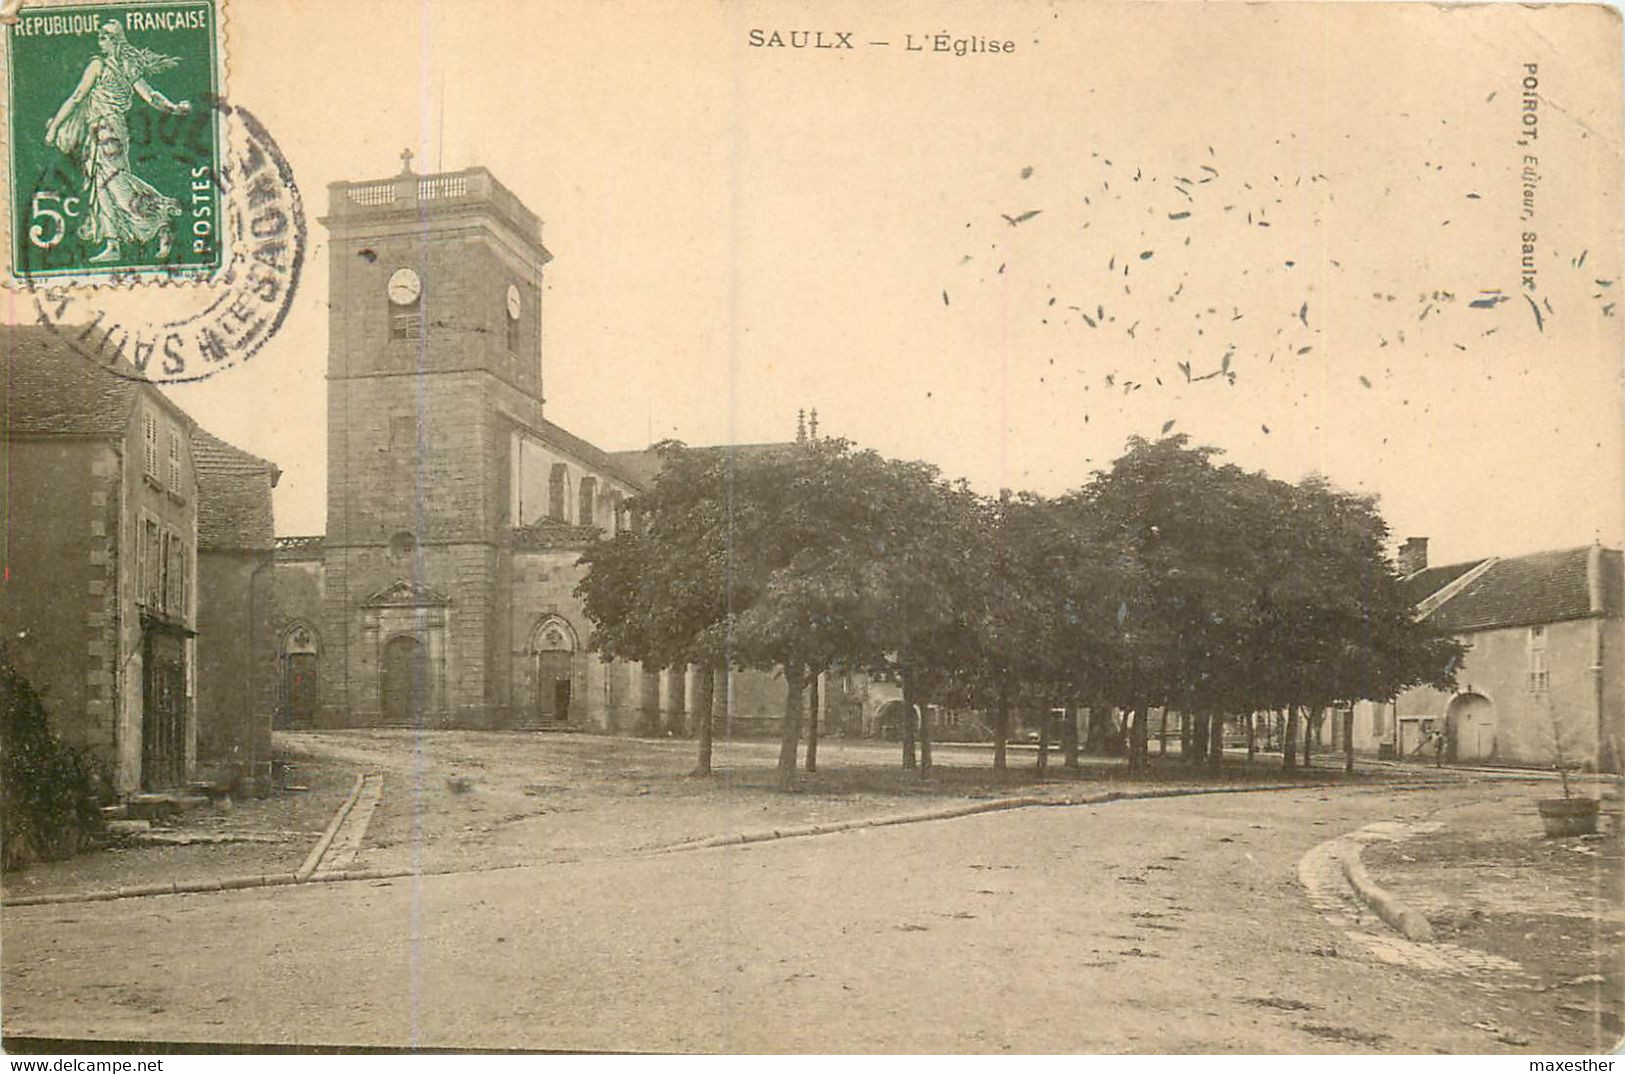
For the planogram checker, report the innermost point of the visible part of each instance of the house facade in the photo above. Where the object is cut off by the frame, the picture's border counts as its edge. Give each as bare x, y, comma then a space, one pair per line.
236, 613
99, 601
1545, 662
136, 569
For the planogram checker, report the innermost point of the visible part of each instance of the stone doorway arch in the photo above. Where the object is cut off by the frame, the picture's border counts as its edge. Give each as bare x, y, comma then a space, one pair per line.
553, 651
300, 693
1470, 723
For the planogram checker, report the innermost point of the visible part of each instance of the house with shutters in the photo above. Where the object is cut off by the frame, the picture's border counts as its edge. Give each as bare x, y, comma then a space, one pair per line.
1545, 642
111, 491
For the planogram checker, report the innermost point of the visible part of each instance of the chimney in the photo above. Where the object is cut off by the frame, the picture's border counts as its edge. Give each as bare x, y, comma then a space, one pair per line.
1413, 555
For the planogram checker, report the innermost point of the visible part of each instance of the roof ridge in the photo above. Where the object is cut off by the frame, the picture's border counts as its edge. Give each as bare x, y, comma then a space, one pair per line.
1433, 602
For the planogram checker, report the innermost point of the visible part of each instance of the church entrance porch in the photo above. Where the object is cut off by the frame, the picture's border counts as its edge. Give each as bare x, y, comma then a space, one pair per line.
408, 624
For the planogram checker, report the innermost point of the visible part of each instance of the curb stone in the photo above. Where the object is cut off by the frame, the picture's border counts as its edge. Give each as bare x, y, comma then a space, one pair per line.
997, 805
215, 886
315, 857
1390, 943
1402, 918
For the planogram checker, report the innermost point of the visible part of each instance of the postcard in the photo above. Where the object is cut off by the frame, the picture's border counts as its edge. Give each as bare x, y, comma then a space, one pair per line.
978, 528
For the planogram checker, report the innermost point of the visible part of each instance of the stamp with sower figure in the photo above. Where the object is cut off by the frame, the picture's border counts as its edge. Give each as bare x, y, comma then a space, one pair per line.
115, 140
130, 171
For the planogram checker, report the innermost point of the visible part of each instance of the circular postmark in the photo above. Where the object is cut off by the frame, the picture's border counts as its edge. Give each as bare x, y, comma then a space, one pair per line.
168, 323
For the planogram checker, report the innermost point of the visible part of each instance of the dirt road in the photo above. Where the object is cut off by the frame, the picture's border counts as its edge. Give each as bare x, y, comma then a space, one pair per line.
1154, 926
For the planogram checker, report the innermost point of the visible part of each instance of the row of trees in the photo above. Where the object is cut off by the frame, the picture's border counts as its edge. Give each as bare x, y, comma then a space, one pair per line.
1170, 580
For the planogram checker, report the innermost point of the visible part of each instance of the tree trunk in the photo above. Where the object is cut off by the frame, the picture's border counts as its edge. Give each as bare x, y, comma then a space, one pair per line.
812, 724
1001, 727
1162, 734
908, 720
648, 702
1252, 736
705, 694
1069, 737
1348, 739
1097, 731
676, 701
1043, 741
1215, 742
795, 682
925, 740
1289, 740
1116, 733
1311, 718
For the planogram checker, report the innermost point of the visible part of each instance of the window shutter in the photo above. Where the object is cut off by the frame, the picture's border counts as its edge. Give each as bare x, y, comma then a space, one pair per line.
149, 435
174, 476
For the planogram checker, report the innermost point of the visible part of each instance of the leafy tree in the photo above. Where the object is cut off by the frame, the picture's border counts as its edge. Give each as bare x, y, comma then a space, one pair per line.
50, 792
1330, 621
1172, 534
1236, 592
923, 582
661, 593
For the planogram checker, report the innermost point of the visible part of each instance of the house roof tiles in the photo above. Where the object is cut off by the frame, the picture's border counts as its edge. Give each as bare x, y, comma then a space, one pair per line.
46, 389
234, 494
1428, 581
1543, 587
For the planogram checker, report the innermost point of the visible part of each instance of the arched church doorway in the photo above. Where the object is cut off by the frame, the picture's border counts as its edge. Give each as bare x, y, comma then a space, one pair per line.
1471, 721
404, 681
552, 656
301, 693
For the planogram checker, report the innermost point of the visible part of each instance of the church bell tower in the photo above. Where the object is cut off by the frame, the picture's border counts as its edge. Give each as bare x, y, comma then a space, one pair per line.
434, 356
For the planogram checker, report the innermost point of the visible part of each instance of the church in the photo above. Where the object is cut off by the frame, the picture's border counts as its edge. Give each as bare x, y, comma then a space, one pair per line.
442, 594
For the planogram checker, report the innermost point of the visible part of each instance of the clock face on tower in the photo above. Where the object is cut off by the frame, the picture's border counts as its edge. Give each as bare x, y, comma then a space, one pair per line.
404, 287
513, 302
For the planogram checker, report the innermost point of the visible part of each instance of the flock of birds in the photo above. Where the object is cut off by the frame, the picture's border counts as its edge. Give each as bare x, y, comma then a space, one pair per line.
1155, 298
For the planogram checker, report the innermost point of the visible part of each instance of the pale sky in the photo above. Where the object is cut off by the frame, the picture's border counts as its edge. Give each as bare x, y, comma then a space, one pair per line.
739, 232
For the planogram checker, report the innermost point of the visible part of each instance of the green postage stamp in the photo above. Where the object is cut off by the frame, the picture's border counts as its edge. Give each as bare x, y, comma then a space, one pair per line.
114, 141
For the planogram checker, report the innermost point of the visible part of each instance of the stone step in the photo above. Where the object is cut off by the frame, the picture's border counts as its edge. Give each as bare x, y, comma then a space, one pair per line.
161, 804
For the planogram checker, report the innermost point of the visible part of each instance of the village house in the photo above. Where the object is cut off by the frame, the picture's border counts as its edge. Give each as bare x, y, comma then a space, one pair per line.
236, 614
111, 489
1545, 644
